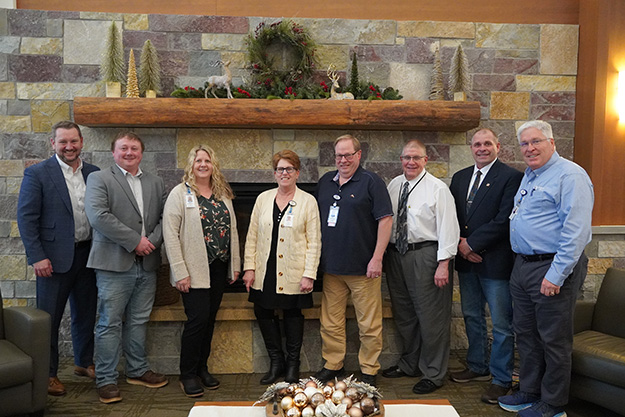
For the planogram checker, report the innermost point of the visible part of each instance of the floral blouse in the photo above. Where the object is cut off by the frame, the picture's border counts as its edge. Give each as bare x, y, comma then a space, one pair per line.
216, 225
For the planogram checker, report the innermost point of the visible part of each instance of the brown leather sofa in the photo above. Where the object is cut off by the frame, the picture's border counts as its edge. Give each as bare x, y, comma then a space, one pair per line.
599, 346
24, 360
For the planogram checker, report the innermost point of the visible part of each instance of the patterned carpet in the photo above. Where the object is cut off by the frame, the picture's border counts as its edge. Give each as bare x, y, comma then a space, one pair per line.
82, 399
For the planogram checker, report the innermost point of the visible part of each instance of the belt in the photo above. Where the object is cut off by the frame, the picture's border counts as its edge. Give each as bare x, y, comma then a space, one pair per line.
138, 259
539, 257
82, 244
414, 246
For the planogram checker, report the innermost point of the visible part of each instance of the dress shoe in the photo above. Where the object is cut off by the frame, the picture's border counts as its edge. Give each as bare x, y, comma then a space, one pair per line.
89, 371
425, 386
209, 381
493, 393
109, 394
395, 372
324, 375
149, 379
368, 379
191, 387
467, 375
55, 387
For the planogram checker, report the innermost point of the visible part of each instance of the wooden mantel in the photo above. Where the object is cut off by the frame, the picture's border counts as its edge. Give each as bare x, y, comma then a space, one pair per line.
451, 116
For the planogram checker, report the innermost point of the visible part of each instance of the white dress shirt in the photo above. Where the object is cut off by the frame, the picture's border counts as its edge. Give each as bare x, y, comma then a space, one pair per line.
76, 188
484, 173
431, 213
134, 181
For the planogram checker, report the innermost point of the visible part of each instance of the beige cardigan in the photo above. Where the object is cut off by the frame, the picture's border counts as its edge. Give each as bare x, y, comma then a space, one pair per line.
184, 240
299, 247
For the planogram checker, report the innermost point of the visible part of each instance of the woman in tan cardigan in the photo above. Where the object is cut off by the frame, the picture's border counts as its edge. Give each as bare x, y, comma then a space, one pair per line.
282, 252
200, 233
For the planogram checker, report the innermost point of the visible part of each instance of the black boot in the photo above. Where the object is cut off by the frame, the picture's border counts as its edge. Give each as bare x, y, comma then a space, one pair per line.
270, 329
294, 329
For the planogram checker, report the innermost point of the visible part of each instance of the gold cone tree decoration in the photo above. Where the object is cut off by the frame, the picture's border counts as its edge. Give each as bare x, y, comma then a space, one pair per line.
437, 88
132, 87
149, 69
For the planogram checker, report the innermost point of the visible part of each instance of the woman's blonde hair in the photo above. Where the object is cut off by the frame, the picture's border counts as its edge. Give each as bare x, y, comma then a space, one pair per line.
219, 185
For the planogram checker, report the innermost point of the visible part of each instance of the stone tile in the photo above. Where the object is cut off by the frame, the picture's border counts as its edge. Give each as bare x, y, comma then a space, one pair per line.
494, 82
304, 149
552, 112
23, 22
25, 289
483, 97
13, 187
35, 68
4, 25
174, 63
545, 83
136, 21
12, 267
460, 157
205, 24
599, 265
309, 172
612, 249
25, 146
518, 53
58, 91
3, 67
563, 129
226, 143
439, 169
195, 82
515, 66
3, 107
8, 289
507, 36
184, 41
136, 39
436, 29
41, 46
437, 153
326, 154
384, 53
420, 50
9, 44
333, 54
558, 49
54, 28
384, 146
166, 160
84, 41
506, 105
386, 170
223, 41
554, 98
45, 113
412, 80
350, 32
80, 73
248, 175
453, 138
204, 63
13, 124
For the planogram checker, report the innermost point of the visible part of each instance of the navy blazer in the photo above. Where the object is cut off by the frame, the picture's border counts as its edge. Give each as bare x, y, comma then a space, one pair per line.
44, 214
486, 225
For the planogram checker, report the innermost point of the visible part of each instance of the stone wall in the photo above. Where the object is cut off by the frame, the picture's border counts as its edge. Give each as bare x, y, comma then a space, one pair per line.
518, 72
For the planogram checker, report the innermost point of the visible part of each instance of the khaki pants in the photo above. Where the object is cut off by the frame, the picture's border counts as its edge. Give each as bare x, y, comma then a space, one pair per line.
366, 296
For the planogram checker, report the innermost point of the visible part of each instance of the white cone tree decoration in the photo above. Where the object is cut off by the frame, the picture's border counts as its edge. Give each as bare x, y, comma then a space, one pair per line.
149, 70
459, 75
437, 87
113, 67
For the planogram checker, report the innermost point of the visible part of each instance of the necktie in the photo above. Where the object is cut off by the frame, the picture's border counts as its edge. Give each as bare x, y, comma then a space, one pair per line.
401, 240
476, 185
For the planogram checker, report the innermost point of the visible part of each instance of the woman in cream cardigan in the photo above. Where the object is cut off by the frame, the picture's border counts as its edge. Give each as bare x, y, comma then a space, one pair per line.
282, 252
200, 233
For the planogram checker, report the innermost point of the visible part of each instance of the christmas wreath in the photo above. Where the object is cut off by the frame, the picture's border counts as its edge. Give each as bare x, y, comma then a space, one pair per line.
298, 44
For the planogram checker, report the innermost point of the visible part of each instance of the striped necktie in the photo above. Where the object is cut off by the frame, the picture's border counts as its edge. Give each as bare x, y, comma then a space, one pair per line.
401, 240
473, 192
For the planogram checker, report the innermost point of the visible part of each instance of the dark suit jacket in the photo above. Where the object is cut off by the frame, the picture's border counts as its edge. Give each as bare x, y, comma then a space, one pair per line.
486, 225
44, 214
116, 220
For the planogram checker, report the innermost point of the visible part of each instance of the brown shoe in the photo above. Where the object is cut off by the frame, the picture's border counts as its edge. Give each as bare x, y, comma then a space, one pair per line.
149, 379
55, 387
89, 371
493, 393
468, 375
109, 394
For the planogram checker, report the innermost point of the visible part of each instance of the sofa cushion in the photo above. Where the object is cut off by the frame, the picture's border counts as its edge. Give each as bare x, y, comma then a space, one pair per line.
599, 356
16, 367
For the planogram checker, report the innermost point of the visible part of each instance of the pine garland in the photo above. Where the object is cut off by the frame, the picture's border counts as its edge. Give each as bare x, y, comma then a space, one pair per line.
149, 69
437, 88
132, 89
112, 68
459, 72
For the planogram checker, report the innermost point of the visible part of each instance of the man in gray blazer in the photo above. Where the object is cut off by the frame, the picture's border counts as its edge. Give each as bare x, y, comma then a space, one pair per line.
124, 206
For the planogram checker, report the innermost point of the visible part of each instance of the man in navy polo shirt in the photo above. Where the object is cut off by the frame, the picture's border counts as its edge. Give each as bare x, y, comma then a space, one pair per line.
356, 221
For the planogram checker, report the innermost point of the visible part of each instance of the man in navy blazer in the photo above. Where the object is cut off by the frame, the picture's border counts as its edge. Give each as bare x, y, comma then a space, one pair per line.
484, 195
57, 238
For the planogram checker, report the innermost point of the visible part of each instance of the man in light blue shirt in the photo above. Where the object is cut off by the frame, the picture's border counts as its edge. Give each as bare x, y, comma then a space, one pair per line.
550, 225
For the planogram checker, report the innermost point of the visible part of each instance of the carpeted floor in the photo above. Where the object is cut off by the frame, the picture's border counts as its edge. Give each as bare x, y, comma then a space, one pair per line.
82, 400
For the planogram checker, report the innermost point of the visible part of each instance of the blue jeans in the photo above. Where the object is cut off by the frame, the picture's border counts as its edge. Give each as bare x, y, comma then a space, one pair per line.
475, 292
126, 300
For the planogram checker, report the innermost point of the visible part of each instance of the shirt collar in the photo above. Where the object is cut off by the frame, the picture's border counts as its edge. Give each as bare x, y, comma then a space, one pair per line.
484, 170
66, 167
417, 178
354, 177
554, 158
126, 173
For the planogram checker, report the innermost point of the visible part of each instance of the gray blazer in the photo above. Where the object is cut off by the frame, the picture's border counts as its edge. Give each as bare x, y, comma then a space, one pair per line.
116, 221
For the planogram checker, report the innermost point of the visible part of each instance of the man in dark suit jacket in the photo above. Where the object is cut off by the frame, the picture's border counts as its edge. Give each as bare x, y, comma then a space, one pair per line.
125, 206
57, 237
484, 195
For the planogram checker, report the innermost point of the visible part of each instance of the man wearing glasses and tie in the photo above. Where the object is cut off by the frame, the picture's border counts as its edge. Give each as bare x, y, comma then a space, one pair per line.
424, 239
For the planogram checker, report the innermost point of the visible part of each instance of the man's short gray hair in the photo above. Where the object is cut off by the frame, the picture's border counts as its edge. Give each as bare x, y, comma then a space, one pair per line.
544, 127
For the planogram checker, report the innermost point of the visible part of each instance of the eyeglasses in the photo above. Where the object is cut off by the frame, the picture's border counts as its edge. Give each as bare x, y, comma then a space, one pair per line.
534, 142
408, 158
288, 170
347, 156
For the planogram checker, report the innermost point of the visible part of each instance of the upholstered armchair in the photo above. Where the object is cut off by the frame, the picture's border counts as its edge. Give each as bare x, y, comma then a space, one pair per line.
599, 345
24, 360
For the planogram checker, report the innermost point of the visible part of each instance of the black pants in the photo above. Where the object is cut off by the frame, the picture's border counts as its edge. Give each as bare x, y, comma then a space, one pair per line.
201, 306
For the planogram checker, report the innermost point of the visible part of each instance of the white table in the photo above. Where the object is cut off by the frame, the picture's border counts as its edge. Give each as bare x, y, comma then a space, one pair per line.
393, 408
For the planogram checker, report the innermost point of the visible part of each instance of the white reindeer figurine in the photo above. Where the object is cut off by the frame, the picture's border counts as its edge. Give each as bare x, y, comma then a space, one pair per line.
222, 81
335, 84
